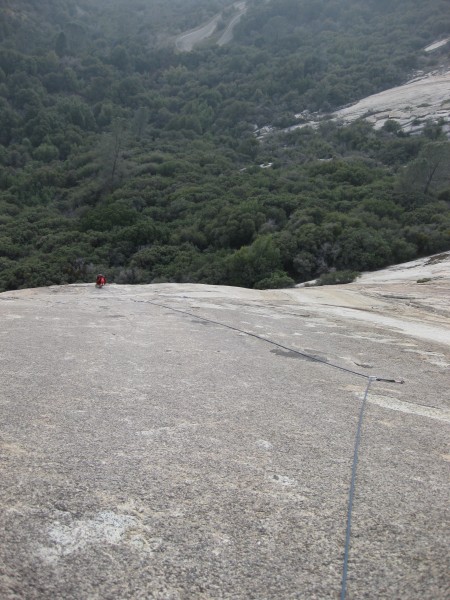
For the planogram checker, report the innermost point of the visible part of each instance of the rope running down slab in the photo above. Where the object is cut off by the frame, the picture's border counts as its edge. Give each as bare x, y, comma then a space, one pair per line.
277, 344
370, 379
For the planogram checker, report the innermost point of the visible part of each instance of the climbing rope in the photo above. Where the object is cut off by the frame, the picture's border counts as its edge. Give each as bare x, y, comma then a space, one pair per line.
370, 379
263, 339
352, 490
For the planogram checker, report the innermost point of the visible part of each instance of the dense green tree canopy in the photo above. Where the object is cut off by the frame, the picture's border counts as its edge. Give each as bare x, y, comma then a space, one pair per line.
120, 154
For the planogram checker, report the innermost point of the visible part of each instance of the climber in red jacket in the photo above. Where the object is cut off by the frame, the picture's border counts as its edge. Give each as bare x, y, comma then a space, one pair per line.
101, 280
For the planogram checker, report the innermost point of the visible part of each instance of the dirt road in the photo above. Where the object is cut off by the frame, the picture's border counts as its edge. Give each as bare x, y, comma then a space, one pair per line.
227, 35
188, 40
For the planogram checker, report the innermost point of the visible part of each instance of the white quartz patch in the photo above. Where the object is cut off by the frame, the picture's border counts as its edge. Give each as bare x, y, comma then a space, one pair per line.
105, 528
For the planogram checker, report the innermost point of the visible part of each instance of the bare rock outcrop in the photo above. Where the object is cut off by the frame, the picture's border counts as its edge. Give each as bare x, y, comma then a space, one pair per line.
189, 441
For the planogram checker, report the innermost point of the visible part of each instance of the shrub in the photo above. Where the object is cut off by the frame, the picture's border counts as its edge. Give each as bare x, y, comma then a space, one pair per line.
337, 277
277, 280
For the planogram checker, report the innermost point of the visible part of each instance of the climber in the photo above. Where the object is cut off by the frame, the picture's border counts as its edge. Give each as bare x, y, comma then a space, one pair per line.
101, 280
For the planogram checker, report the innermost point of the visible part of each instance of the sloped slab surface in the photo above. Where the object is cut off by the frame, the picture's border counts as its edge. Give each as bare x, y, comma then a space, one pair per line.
152, 448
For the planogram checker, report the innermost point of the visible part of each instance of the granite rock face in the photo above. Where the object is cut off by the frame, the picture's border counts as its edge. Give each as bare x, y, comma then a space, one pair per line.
185, 441
425, 98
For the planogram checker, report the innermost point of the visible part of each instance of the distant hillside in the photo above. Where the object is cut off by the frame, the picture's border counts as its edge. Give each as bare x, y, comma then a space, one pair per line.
102, 19
120, 154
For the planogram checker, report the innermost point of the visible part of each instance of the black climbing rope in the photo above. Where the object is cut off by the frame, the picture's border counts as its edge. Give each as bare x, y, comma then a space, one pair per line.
352, 490
263, 339
369, 378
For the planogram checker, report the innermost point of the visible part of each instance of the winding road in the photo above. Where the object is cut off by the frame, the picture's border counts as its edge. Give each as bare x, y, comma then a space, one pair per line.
227, 35
189, 39
186, 41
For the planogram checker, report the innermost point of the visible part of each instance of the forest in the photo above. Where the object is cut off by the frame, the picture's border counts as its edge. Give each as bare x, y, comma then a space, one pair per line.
120, 154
